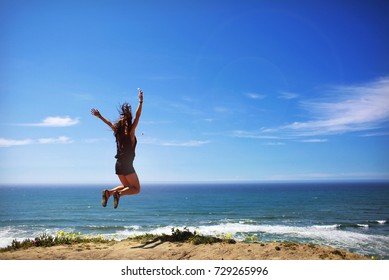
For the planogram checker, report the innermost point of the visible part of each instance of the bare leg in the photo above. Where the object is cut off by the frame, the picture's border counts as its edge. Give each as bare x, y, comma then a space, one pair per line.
130, 186
118, 188
131, 183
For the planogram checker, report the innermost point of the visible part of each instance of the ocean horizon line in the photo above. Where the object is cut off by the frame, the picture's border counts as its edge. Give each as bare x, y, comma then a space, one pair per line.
200, 182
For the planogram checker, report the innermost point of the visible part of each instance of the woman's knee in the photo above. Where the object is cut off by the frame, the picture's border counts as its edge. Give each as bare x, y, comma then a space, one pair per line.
136, 189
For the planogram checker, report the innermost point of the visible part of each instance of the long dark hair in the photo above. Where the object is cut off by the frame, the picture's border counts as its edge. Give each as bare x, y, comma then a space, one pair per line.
123, 125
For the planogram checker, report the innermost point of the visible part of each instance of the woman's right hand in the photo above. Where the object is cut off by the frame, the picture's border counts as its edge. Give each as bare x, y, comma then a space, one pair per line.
95, 112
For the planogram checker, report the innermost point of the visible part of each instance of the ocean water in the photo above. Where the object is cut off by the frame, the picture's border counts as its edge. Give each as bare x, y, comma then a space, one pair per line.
351, 216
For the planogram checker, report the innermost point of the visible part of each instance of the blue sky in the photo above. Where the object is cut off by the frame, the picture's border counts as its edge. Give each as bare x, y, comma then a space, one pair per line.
233, 90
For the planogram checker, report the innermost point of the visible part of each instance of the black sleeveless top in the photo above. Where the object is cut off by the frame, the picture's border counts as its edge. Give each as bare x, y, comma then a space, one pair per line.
126, 150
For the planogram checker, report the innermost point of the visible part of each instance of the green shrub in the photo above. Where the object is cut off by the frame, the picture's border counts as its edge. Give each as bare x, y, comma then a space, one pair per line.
60, 238
184, 235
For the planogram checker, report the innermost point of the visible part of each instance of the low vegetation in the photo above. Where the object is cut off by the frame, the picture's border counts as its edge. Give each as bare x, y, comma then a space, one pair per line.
184, 235
68, 238
60, 238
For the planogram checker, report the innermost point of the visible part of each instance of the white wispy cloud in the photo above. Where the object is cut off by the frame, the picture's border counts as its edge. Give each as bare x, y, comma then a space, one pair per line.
209, 120
274, 143
59, 140
358, 108
159, 142
56, 122
191, 143
314, 140
5, 143
383, 133
345, 109
12, 142
253, 95
288, 95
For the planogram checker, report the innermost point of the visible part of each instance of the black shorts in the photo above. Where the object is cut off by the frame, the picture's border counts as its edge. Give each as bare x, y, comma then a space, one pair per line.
124, 167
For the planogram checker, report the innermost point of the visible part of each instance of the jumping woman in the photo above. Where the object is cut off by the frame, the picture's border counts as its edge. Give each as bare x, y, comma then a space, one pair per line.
124, 131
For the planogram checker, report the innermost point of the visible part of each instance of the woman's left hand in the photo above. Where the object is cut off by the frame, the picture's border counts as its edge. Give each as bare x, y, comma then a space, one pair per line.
140, 96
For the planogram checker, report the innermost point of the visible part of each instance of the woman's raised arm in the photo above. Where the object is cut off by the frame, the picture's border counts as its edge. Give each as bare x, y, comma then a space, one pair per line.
96, 113
138, 113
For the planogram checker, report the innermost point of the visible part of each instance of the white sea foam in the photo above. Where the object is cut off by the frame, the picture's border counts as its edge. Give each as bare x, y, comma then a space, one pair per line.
6, 236
327, 226
381, 222
134, 227
132, 231
9, 233
363, 225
